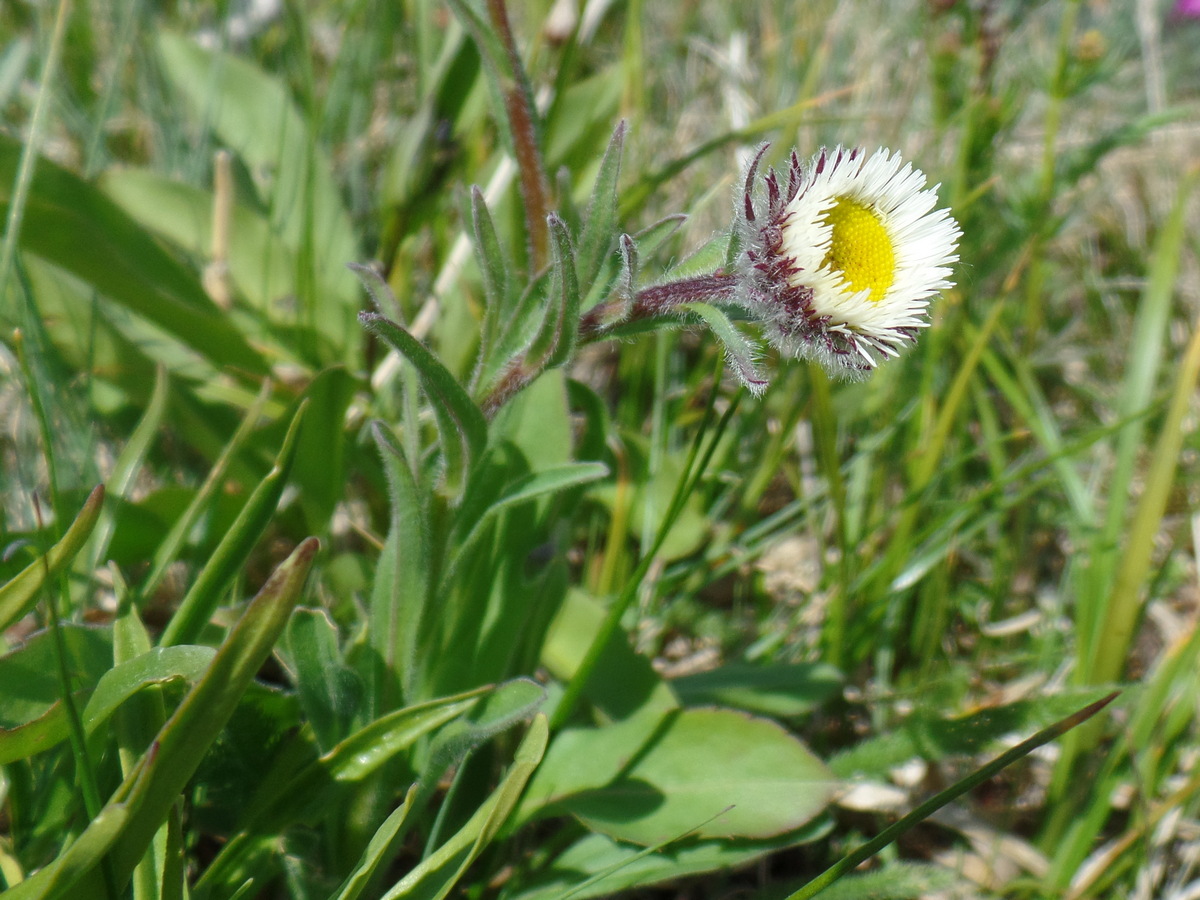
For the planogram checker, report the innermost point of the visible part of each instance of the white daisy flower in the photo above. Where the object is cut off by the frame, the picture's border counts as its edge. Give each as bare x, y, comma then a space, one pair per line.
841, 261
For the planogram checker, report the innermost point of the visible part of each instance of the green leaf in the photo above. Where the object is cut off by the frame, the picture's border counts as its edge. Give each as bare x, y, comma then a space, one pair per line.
555, 341
148, 794
739, 351
895, 881
378, 853
167, 549
255, 115
653, 777
32, 715
598, 866
868, 849
597, 239
71, 224
460, 422
129, 463
262, 267
498, 710
319, 470
624, 682
930, 734
158, 665
533, 486
329, 691
436, 876
202, 598
780, 690
399, 592
494, 265
21, 594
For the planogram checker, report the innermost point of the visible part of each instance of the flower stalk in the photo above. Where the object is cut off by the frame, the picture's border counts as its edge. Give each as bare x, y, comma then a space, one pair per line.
656, 302
841, 256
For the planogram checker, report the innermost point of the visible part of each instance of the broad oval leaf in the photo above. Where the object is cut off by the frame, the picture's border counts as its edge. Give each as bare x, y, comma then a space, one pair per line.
718, 772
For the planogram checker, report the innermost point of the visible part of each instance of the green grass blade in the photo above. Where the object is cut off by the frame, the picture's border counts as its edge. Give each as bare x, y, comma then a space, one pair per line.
22, 174
169, 548
1108, 553
144, 800
21, 594
379, 851
202, 598
130, 462
933, 804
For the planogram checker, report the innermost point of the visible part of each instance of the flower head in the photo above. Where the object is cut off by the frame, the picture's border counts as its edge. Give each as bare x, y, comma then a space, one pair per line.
843, 257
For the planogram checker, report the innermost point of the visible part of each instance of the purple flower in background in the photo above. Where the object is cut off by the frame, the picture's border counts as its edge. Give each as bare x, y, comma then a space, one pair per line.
1186, 9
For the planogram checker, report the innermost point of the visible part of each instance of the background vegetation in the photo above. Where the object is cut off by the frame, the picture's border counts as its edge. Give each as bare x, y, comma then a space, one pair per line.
827, 604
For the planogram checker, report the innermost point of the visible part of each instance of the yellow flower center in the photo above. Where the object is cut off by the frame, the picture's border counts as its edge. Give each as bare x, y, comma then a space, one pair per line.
861, 250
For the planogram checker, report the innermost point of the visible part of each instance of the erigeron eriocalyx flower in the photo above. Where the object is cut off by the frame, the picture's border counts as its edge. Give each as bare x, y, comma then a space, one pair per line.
842, 256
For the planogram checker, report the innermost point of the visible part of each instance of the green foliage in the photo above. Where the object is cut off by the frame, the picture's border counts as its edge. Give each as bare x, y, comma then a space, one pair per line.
588, 619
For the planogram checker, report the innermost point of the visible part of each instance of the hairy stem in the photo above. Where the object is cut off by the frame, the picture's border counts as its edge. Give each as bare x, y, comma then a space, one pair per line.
518, 105
655, 302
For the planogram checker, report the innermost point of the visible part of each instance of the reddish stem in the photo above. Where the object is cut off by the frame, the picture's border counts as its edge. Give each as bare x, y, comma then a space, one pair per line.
518, 104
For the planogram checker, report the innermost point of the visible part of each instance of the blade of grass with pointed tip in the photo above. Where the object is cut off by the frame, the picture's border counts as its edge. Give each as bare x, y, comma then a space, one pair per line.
129, 463
170, 546
1107, 553
202, 598
933, 804
137, 809
21, 594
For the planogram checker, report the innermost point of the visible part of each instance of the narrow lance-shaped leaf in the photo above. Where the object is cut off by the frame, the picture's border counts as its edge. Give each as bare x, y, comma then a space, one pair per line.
200, 601
555, 341
398, 596
21, 594
493, 268
739, 352
378, 853
436, 876
596, 240
460, 422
